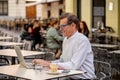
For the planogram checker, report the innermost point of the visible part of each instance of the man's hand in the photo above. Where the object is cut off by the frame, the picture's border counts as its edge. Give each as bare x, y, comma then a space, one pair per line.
41, 62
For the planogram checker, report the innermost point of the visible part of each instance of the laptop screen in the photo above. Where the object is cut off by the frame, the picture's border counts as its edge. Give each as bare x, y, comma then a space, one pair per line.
20, 56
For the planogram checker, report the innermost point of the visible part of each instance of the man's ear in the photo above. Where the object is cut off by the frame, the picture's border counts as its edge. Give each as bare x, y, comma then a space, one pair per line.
73, 24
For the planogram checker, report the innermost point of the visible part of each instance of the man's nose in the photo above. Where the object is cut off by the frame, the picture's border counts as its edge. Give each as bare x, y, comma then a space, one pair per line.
61, 29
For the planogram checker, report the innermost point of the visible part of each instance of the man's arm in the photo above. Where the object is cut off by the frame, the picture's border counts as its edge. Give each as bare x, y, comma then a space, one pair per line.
41, 62
80, 51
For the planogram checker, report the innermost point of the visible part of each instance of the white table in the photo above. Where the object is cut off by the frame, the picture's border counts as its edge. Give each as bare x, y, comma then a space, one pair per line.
12, 53
10, 43
5, 38
19, 71
112, 36
115, 51
108, 46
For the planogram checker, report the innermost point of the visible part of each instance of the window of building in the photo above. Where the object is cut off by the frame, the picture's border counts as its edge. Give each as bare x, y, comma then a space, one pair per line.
60, 11
49, 14
48, 4
98, 12
61, 2
78, 9
3, 7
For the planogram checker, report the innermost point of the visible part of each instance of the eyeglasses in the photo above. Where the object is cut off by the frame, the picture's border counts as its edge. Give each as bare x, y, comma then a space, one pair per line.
62, 26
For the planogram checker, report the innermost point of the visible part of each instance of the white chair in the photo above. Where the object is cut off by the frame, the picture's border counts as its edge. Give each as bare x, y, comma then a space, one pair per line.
27, 45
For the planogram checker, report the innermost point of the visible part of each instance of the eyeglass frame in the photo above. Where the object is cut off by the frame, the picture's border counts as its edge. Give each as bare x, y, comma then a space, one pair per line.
63, 26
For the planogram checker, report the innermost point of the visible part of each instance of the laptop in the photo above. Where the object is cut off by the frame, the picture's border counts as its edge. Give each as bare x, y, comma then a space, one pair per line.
21, 58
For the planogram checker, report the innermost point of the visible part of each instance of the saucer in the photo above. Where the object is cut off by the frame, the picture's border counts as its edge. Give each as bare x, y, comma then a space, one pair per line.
53, 73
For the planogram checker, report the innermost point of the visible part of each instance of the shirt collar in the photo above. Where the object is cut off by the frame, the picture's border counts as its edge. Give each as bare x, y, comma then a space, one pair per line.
73, 35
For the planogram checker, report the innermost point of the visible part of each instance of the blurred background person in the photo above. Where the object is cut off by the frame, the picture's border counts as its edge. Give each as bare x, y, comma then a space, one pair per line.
35, 34
54, 39
83, 28
25, 35
99, 34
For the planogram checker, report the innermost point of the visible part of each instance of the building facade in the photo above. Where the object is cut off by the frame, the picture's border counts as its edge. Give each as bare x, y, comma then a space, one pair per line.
53, 8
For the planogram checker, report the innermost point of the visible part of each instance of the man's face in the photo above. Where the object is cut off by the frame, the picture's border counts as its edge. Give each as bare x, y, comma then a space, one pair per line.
65, 28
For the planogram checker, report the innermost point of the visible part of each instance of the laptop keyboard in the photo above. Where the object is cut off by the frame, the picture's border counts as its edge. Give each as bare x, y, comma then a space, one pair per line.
30, 66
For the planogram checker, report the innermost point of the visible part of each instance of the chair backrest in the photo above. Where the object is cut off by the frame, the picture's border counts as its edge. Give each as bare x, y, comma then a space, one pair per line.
102, 70
50, 56
4, 61
15, 39
27, 45
104, 55
95, 51
101, 54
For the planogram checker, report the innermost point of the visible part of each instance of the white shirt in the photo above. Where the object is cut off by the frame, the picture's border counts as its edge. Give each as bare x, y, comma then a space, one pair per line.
77, 54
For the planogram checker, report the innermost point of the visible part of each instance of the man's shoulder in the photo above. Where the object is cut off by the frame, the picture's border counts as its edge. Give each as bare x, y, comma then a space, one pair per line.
51, 29
81, 36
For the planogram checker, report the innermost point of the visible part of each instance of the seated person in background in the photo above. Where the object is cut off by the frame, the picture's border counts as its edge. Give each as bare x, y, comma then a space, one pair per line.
76, 50
100, 30
35, 34
28, 24
101, 27
83, 28
100, 35
54, 40
26, 34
